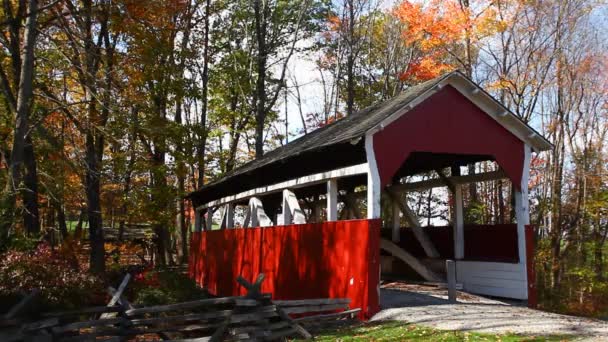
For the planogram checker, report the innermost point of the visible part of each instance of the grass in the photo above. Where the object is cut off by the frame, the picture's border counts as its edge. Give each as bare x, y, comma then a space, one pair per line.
402, 331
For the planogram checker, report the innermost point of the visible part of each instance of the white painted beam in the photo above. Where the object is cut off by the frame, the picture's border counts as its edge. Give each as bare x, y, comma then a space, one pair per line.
374, 187
409, 259
522, 210
438, 182
419, 233
292, 184
332, 200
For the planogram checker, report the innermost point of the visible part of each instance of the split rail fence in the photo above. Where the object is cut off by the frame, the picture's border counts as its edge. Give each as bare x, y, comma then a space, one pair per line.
254, 316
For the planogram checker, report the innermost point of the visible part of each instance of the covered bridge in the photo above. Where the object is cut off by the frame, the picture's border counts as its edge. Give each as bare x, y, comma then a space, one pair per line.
312, 214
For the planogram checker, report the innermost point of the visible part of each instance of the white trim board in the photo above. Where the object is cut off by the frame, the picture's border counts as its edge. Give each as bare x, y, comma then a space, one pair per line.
493, 278
291, 184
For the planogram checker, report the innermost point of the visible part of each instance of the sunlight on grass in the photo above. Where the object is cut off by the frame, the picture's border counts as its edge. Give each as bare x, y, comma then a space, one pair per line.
402, 331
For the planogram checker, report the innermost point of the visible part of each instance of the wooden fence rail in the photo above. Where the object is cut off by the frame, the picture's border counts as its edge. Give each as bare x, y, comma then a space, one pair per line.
252, 317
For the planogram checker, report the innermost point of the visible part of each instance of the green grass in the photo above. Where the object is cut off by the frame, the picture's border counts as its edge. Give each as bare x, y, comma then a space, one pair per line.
402, 331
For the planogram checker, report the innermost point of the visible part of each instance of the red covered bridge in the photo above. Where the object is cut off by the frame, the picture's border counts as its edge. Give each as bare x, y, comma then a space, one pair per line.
300, 210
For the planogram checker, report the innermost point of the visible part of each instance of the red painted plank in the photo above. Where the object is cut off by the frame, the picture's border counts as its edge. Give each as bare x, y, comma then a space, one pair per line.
320, 260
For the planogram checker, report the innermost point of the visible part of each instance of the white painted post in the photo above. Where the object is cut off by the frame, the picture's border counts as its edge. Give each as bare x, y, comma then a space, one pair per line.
229, 214
247, 222
458, 223
373, 180
522, 210
332, 200
286, 209
291, 209
257, 214
396, 236
253, 211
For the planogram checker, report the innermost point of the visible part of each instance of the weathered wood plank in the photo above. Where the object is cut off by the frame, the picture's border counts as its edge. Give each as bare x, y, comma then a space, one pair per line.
89, 324
335, 315
300, 329
318, 301
264, 324
264, 312
182, 318
42, 324
91, 310
117, 295
197, 339
314, 308
22, 305
182, 306
409, 259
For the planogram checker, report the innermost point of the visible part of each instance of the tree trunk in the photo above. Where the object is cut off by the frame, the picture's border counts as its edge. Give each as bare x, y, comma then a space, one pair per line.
31, 218
96, 238
205, 100
78, 229
260, 85
63, 228
22, 108
350, 60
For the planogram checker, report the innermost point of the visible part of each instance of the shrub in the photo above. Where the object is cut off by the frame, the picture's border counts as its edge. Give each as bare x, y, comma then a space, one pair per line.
62, 284
154, 287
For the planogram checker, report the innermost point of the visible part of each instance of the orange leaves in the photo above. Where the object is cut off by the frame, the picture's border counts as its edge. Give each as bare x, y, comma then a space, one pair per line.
443, 22
425, 68
430, 26
442, 31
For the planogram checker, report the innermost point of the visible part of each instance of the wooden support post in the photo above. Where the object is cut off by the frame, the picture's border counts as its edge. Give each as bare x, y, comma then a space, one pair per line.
451, 272
247, 222
374, 187
292, 213
458, 223
419, 233
409, 259
257, 214
522, 209
332, 200
228, 216
396, 235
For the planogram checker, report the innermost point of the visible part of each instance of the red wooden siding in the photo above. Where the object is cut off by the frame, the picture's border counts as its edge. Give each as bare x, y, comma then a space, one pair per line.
320, 260
447, 122
492, 243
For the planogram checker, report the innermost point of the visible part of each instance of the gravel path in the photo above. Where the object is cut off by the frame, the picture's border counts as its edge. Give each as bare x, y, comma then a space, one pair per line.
427, 305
